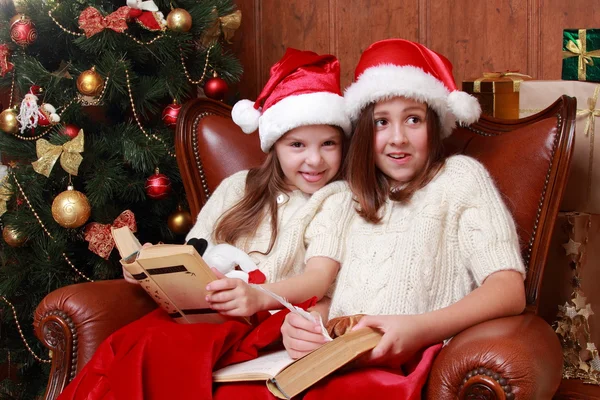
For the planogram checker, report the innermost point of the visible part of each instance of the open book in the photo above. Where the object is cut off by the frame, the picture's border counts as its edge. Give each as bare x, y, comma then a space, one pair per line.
174, 275
286, 377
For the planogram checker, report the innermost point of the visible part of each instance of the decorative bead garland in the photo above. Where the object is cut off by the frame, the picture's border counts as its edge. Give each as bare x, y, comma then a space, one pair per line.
39, 220
42, 360
187, 74
81, 34
137, 119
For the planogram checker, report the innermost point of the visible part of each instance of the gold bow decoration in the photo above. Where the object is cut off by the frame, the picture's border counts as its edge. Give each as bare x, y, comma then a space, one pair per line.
590, 113
48, 153
5, 194
514, 76
578, 48
92, 22
227, 25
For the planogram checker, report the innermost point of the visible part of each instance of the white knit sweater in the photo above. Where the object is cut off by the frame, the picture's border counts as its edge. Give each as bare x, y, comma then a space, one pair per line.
424, 255
295, 211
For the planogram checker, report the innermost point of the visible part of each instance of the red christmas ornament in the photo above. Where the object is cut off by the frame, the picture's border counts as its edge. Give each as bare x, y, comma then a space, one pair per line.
170, 113
158, 186
22, 30
215, 88
71, 130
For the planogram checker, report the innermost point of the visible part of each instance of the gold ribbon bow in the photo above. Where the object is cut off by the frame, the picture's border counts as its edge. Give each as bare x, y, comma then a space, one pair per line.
48, 154
590, 125
514, 76
227, 25
92, 22
5, 194
578, 48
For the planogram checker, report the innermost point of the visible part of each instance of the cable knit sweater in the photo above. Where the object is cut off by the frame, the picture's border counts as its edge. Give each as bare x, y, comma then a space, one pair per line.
295, 211
423, 255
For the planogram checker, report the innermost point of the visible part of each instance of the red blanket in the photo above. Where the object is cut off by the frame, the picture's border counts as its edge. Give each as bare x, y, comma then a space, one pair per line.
155, 358
357, 384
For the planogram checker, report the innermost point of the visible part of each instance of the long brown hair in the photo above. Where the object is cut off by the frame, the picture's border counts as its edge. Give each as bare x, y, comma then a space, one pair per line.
370, 186
263, 185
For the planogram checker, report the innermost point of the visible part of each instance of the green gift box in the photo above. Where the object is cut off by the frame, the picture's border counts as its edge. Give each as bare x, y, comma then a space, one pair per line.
581, 55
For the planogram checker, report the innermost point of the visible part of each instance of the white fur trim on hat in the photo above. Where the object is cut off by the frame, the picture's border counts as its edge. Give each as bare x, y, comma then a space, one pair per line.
387, 81
245, 115
465, 107
306, 109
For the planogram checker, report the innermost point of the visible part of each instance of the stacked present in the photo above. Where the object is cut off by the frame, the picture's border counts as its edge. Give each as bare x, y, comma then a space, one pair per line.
574, 262
497, 92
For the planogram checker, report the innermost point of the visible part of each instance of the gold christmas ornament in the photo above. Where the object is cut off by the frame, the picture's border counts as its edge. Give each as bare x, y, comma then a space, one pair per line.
8, 121
180, 222
12, 237
89, 83
179, 20
71, 209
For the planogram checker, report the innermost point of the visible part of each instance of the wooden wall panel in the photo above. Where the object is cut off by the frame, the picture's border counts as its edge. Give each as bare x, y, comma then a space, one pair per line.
475, 35
303, 24
479, 35
556, 15
359, 23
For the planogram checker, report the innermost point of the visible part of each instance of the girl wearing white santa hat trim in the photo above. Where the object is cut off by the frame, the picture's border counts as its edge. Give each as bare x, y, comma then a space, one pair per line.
428, 247
301, 121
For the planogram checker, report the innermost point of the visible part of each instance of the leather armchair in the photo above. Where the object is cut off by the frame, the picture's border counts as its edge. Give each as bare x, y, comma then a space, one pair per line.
517, 357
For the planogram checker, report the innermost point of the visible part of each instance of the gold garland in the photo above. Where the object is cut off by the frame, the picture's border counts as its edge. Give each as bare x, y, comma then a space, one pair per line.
39, 220
14, 311
137, 119
187, 74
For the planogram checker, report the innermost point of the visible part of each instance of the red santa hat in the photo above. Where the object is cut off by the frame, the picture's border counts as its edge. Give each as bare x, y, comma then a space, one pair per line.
397, 67
303, 89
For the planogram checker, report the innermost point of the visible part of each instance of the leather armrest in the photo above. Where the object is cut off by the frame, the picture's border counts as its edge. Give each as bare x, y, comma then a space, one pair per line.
513, 357
79, 317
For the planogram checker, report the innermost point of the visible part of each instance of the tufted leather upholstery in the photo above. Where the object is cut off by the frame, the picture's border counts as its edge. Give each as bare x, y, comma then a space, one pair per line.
516, 357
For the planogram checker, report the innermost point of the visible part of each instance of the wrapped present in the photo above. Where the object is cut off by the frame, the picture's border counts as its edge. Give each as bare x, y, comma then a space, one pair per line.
497, 92
570, 296
583, 189
581, 55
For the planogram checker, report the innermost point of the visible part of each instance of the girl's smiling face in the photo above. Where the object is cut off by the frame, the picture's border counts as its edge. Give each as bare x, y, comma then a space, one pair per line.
310, 156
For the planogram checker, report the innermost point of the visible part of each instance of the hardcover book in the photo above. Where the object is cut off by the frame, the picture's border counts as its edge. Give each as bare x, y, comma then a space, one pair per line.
286, 378
174, 275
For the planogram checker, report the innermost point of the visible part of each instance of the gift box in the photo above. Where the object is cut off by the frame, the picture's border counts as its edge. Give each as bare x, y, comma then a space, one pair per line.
581, 55
497, 92
570, 295
583, 188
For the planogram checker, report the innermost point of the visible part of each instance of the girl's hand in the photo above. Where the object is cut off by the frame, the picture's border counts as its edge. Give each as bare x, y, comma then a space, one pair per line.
403, 336
129, 278
301, 336
233, 296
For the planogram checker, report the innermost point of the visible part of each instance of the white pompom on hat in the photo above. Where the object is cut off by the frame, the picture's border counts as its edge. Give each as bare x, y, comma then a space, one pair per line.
303, 89
397, 67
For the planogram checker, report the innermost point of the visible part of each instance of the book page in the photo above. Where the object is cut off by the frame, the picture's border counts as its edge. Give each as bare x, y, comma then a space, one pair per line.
125, 241
262, 368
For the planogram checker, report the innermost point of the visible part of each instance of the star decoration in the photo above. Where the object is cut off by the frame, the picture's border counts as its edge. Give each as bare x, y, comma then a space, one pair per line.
587, 311
572, 247
583, 366
576, 282
591, 347
571, 312
579, 301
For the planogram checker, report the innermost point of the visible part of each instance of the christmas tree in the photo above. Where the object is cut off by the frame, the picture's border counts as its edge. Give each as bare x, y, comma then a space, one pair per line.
94, 90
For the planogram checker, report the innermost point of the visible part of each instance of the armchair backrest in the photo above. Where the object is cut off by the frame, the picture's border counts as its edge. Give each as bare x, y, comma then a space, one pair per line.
528, 159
